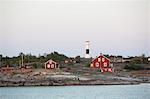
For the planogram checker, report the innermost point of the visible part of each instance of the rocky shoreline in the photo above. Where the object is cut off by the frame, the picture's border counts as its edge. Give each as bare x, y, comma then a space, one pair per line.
11, 84
60, 78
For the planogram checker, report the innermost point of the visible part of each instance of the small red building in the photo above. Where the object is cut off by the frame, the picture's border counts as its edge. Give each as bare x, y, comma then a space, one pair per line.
103, 63
7, 68
50, 64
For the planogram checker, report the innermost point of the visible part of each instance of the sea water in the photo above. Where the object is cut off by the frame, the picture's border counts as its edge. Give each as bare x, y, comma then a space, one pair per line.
141, 91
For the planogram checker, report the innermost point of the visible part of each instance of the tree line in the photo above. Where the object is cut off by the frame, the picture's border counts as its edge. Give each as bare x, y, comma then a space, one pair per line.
29, 58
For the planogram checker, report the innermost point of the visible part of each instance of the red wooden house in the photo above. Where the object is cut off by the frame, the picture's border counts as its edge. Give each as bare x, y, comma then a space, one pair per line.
103, 63
50, 64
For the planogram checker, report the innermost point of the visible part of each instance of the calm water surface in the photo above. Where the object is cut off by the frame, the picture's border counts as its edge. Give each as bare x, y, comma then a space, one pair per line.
141, 91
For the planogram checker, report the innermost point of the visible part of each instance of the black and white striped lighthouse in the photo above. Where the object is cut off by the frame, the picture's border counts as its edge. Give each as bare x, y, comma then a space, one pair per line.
87, 49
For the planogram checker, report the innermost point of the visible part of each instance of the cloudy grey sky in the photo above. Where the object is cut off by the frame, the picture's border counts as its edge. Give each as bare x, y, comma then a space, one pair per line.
42, 26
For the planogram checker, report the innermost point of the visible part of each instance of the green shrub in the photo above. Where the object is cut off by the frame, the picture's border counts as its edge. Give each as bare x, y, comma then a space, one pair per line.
87, 65
37, 65
133, 66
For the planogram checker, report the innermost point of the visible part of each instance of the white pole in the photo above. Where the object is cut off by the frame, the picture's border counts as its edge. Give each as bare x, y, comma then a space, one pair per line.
22, 59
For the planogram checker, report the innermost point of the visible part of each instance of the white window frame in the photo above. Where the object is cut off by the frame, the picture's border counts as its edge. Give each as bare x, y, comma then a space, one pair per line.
48, 65
97, 64
105, 64
52, 66
103, 59
99, 59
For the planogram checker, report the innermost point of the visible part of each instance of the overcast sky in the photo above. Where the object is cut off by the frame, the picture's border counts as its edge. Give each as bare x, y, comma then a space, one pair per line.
118, 27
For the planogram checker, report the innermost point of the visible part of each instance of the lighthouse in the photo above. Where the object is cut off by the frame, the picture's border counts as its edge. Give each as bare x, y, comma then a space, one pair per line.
87, 49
